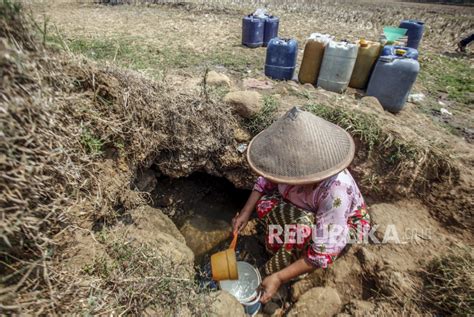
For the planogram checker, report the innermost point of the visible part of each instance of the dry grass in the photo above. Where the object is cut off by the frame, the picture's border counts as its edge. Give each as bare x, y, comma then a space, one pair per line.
39, 165
133, 278
73, 136
445, 24
449, 283
399, 161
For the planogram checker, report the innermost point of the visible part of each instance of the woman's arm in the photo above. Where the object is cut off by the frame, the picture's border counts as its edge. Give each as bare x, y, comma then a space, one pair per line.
251, 202
272, 283
294, 270
261, 187
241, 218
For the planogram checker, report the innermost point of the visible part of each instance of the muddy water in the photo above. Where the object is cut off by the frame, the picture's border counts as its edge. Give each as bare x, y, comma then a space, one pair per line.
202, 207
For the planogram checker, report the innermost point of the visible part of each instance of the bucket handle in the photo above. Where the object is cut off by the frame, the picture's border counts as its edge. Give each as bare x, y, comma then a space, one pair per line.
256, 300
233, 244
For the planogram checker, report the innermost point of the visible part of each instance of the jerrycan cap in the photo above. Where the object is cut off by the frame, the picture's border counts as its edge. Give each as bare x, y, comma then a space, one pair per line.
363, 43
400, 52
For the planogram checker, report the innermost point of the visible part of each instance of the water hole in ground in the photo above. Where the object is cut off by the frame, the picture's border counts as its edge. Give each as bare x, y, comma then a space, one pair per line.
202, 207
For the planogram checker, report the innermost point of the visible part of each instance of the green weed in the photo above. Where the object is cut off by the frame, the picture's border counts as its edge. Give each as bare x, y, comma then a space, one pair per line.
301, 94
361, 125
10, 9
443, 74
264, 117
100, 267
92, 144
219, 92
238, 62
135, 53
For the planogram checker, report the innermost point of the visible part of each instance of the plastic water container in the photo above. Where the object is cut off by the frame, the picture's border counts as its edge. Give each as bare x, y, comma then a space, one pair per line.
399, 52
415, 32
312, 57
392, 80
280, 62
364, 64
271, 29
245, 289
253, 29
338, 63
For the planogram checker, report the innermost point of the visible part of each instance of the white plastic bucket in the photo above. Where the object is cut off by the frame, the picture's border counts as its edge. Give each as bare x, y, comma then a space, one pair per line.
245, 289
253, 310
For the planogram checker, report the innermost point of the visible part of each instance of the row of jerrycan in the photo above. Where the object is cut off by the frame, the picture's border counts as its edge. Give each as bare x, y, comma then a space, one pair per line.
259, 30
334, 66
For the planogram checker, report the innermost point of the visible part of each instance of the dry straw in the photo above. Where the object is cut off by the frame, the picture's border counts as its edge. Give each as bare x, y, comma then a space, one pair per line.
72, 136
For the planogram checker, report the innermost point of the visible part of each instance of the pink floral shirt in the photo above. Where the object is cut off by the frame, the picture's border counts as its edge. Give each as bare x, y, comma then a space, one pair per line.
334, 201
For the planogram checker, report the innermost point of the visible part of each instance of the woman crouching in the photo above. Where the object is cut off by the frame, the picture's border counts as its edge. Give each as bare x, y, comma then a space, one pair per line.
307, 200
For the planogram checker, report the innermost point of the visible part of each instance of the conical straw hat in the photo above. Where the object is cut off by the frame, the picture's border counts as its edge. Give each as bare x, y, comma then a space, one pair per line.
300, 148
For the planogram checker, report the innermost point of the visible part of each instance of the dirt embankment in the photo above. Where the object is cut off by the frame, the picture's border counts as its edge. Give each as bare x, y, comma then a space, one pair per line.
74, 136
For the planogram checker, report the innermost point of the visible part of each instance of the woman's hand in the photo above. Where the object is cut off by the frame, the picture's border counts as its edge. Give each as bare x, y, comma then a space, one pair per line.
239, 222
241, 218
270, 286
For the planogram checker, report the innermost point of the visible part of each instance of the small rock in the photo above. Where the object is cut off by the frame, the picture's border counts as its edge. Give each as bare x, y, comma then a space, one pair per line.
300, 287
372, 103
252, 83
360, 308
241, 135
308, 86
216, 79
441, 103
416, 98
283, 91
319, 301
293, 84
245, 103
224, 305
155, 229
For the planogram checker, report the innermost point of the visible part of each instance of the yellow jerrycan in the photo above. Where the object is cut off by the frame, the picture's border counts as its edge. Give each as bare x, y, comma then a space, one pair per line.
312, 57
365, 62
